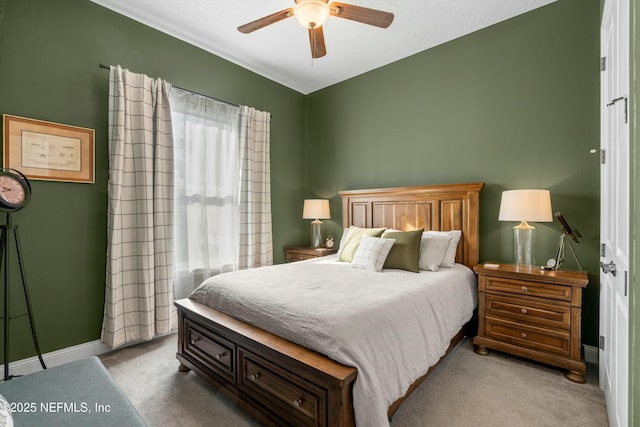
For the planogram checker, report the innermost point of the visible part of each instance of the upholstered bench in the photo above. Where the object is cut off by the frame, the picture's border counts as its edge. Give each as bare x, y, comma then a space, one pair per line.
80, 393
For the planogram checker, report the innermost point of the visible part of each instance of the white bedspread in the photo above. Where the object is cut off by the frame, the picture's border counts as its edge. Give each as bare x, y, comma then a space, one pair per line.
392, 326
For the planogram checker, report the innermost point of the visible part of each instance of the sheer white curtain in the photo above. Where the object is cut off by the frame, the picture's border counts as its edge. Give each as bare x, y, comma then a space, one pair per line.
221, 152
139, 280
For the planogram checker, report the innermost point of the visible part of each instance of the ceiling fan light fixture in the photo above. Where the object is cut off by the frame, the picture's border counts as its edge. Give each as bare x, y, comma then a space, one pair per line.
311, 13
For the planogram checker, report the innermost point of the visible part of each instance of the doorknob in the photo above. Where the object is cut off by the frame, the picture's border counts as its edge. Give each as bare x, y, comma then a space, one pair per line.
608, 268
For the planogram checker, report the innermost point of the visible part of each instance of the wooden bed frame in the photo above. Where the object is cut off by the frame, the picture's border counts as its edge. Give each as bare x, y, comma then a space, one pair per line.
282, 383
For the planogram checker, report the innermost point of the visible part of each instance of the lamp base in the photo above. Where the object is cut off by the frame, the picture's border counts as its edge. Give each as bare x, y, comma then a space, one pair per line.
316, 234
523, 244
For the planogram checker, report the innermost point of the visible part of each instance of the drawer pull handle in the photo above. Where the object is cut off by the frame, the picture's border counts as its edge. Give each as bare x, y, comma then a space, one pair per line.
523, 334
220, 355
524, 289
524, 311
195, 340
297, 403
254, 377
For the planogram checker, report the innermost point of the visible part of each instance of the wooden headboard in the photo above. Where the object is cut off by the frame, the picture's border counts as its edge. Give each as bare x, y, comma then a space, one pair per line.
433, 207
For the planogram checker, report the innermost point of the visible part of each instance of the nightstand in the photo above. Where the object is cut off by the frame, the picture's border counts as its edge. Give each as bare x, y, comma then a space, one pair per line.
532, 313
299, 253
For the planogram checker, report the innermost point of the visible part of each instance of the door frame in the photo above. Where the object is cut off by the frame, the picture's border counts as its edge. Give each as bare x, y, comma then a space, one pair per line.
616, 299
634, 251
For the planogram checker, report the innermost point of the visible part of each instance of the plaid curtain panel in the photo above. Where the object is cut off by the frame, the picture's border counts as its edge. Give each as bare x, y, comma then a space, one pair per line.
139, 288
256, 242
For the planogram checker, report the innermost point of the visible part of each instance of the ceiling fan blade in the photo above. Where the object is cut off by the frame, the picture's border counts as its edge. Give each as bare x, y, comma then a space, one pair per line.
267, 20
316, 39
361, 14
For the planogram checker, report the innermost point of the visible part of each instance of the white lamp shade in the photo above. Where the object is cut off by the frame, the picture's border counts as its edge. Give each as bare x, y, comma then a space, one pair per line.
316, 209
526, 205
311, 13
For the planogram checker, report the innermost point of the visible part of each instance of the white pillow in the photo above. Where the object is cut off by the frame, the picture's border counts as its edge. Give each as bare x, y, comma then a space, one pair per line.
432, 251
372, 253
450, 255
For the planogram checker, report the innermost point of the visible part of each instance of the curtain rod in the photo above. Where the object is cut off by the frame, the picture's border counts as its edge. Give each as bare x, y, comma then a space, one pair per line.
106, 67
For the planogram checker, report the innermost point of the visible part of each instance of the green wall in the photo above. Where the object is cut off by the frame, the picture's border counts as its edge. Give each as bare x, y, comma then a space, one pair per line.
49, 56
514, 105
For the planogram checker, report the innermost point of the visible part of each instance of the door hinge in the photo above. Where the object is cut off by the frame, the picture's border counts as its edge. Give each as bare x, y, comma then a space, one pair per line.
625, 99
603, 250
601, 151
601, 344
603, 63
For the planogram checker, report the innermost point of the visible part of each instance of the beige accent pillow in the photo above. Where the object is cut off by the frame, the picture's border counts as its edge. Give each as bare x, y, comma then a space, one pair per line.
350, 246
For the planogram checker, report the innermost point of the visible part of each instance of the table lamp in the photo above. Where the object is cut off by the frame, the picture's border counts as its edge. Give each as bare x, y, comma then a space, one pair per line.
523, 206
316, 209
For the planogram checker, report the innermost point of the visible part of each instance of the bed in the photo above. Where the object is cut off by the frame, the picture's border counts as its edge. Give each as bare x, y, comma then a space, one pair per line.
284, 383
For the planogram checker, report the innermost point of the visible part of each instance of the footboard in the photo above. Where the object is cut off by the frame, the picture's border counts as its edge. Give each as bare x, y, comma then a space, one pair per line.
277, 381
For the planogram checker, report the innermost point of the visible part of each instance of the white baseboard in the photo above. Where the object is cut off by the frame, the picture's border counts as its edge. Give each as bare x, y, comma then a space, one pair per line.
591, 354
56, 358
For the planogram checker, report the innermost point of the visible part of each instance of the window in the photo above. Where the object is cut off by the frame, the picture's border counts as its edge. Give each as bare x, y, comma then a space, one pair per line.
207, 186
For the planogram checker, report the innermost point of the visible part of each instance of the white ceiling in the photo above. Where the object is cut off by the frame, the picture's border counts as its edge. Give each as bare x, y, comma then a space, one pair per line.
281, 51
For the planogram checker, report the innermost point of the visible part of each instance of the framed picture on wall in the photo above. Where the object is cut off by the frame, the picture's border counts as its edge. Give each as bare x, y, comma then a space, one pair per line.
48, 151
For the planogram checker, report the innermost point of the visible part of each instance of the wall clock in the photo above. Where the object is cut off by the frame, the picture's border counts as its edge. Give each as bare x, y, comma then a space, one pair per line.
15, 190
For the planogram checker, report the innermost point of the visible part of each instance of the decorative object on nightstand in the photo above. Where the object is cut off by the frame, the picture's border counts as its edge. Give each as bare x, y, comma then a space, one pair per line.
523, 206
574, 234
300, 253
329, 242
316, 209
532, 313
15, 193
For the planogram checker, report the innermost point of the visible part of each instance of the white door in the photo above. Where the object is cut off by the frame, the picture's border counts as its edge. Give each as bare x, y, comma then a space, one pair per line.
614, 210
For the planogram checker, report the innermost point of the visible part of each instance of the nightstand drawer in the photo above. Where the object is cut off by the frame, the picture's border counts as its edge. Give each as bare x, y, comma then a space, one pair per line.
535, 289
547, 340
529, 310
300, 253
298, 256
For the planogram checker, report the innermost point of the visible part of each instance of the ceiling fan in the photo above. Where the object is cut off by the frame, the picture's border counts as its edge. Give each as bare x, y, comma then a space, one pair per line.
313, 13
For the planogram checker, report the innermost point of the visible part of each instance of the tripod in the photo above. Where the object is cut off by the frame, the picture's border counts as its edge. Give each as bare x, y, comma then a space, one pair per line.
4, 251
560, 253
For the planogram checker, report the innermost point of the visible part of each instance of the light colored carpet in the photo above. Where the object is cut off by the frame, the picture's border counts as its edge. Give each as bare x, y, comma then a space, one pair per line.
466, 390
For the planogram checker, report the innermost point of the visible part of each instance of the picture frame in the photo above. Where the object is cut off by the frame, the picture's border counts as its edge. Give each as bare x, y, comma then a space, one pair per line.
48, 151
